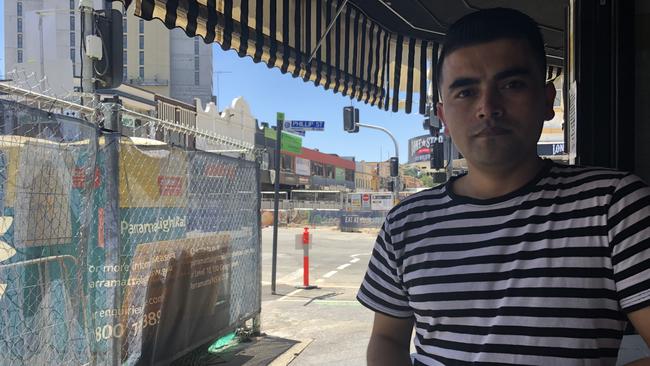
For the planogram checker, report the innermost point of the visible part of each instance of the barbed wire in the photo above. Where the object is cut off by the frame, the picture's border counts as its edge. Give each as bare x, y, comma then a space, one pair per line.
21, 89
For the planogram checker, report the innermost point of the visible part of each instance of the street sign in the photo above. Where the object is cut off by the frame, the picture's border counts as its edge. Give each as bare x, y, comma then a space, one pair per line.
295, 132
304, 125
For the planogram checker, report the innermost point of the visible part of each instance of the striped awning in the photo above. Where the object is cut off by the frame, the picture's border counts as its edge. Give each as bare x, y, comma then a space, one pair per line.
358, 57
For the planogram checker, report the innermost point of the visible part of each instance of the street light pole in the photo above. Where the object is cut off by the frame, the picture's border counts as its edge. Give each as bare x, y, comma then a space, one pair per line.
219, 73
87, 84
395, 179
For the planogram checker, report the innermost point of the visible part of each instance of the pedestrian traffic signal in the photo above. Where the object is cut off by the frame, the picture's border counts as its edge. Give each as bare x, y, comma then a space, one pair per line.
394, 167
350, 119
108, 71
437, 153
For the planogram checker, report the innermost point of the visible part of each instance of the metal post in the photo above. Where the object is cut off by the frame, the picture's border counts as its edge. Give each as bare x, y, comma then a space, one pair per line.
87, 83
257, 318
450, 160
394, 179
112, 131
276, 203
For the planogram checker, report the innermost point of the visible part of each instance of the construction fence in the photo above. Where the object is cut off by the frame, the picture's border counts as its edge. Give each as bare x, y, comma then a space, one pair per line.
118, 250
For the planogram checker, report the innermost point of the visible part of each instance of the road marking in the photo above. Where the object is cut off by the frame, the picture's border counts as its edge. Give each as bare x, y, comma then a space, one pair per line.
329, 274
320, 280
291, 276
355, 260
343, 266
283, 298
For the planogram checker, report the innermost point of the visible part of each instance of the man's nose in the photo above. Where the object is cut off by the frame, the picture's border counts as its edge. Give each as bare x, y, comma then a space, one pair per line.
490, 105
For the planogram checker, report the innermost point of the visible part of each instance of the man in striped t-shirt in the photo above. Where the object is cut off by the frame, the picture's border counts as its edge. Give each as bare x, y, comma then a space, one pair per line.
521, 260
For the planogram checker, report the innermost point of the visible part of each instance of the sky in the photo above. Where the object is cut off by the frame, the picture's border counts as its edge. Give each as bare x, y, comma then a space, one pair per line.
268, 91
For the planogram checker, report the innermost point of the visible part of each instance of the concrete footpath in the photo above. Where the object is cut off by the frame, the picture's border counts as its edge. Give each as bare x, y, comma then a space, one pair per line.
330, 326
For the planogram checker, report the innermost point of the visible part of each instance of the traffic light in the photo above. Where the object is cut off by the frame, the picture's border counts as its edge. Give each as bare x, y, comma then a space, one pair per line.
390, 186
437, 154
394, 167
108, 70
350, 119
431, 121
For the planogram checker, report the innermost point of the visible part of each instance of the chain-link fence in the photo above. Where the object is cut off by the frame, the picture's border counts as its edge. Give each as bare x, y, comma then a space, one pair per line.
118, 250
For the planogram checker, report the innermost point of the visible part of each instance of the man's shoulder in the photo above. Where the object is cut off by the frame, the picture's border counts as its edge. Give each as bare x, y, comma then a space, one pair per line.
432, 196
561, 171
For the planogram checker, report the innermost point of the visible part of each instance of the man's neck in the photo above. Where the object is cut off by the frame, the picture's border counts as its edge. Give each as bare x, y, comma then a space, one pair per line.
485, 183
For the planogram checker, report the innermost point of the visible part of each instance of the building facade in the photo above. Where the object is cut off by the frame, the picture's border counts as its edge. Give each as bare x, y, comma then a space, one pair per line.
44, 37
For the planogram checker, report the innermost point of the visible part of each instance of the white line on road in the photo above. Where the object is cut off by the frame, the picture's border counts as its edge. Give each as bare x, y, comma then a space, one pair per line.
343, 266
355, 260
329, 274
283, 298
291, 276
320, 280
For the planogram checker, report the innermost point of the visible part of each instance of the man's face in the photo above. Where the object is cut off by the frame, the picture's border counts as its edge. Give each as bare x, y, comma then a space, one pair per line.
494, 102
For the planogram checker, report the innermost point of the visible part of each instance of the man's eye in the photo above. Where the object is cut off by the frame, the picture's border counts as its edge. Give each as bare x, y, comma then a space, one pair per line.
465, 93
514, 84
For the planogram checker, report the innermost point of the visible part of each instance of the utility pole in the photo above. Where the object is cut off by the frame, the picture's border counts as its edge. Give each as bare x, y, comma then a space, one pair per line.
87, 82
276, 202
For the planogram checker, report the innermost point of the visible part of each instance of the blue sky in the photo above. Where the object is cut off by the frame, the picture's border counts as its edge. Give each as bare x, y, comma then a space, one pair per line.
268, 91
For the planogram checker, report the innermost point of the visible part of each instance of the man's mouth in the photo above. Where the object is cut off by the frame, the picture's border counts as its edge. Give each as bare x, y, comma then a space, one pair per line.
492, 131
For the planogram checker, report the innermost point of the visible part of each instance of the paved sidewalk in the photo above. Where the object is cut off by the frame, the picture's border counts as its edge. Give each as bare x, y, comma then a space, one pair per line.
332, 328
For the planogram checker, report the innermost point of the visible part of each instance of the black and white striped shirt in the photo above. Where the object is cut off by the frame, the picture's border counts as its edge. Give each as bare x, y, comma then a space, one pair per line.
543, 275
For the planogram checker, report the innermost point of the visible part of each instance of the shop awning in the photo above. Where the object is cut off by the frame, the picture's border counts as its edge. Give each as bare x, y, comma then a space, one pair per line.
375, 51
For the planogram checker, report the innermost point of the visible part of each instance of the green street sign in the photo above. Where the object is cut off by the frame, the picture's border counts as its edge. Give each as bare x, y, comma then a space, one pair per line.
290, 143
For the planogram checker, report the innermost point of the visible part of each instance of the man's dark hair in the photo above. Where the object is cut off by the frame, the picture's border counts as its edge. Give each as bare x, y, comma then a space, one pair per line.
490, 25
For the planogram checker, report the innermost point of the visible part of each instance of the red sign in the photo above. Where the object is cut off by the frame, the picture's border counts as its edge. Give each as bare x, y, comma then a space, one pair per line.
78, 178
170, 186
365, 197
219, 170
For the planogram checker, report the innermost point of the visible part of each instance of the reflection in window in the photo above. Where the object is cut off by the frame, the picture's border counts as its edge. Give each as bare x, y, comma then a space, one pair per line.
286, 163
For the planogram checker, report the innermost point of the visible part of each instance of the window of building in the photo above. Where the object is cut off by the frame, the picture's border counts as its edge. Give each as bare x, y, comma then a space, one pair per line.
142, 42
317, 169
329, 172
19, 25
19, 56
196, 46
72, 54
71, 22
19, 8
197, 78
141, 58
20, 41
141, 26
124, 57
125, 75
286, 163
124, 40
196, 63
72, 4
124, 22
141, 72
349, 175
71, 39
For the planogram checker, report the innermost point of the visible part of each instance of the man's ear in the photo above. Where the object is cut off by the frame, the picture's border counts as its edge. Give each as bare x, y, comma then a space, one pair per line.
549, 98
440, 111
